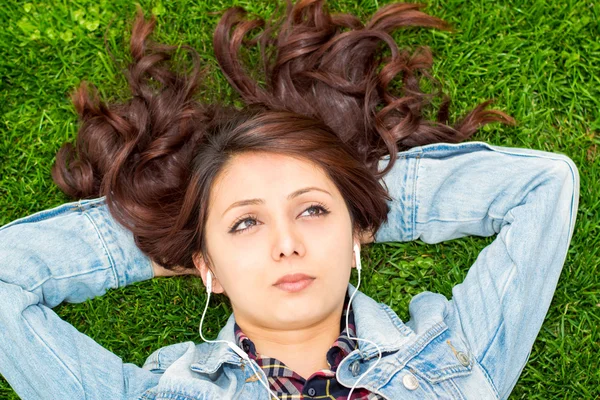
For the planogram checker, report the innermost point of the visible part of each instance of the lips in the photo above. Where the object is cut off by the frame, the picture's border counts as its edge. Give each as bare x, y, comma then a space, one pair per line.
291, 278
294, 282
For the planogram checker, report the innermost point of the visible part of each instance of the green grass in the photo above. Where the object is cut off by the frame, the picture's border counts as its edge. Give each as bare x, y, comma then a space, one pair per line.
540, 60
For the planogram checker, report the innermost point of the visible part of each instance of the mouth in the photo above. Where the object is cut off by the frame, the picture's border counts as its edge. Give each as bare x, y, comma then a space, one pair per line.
296, 285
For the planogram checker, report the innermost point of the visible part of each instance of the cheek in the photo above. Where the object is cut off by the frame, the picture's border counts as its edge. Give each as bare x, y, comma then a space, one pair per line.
232, 258
240, 271
335, 250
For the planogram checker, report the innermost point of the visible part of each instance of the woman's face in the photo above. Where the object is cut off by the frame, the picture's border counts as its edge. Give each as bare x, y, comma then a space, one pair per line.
299, 223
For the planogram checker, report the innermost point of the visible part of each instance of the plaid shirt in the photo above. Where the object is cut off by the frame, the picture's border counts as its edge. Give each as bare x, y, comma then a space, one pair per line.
288, 385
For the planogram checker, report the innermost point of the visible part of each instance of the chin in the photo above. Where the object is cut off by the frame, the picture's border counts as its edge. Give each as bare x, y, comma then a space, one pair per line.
300, 312
298, 322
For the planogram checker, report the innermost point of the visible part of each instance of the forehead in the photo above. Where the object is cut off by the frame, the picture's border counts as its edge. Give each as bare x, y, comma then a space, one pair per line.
263, 175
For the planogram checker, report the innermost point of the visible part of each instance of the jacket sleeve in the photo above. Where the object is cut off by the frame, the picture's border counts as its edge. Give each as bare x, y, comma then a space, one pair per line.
529, 198
70, 253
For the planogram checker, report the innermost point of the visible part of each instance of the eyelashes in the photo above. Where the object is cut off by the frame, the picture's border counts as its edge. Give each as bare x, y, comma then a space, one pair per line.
318, 206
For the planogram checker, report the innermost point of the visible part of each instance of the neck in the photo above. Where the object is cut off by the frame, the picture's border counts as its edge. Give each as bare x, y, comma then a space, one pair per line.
302, 350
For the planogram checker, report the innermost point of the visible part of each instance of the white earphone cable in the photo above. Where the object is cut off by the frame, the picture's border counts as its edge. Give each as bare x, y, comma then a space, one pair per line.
245, 356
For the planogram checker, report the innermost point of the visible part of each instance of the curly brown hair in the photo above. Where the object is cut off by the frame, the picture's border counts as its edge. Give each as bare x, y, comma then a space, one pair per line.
327, 99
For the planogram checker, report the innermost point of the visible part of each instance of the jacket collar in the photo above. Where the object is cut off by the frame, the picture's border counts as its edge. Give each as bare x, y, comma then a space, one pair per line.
375, 322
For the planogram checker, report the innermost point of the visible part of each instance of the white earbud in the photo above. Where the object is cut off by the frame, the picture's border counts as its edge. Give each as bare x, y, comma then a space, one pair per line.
208, 282
357, 256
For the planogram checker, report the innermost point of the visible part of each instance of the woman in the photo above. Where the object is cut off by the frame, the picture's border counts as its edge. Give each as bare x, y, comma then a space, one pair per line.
289, 185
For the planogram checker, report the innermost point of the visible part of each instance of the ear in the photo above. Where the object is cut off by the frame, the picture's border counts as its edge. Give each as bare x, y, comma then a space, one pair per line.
201, 265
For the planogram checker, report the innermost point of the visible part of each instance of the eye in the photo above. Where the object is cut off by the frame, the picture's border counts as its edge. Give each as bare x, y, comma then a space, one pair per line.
322, 210
243, 220
321, 207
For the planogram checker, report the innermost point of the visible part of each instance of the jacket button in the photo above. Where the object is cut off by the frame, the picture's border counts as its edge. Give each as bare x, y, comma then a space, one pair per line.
355, 368
410, 382
312, 392
463, 358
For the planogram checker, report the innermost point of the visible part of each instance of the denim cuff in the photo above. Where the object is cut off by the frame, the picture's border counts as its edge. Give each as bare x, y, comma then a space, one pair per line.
129, 263
400, 183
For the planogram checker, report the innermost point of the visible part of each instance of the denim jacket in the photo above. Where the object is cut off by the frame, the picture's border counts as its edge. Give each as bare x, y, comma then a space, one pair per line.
472, 346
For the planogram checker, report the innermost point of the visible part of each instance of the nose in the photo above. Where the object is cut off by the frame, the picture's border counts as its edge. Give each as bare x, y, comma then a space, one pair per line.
287, 240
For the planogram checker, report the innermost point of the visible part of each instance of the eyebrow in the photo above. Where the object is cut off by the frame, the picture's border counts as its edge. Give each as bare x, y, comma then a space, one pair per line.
261, 201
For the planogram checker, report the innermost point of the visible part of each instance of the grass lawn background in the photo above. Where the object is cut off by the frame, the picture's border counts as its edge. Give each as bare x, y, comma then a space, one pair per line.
540, 60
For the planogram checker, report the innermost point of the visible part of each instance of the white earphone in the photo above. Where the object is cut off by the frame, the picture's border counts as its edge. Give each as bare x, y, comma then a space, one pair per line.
209, 282
245, 356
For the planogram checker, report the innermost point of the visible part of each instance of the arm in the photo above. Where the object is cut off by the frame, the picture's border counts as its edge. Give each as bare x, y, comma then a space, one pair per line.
529, 199
69, 253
